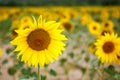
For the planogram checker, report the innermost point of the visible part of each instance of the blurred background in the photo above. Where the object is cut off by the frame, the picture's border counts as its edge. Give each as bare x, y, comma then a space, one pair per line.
57, 2
80, 20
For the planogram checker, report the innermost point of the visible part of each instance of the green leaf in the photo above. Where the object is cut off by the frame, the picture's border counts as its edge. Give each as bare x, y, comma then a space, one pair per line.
8, 50
87, 58
117, 76
62, 61
26, 71
5, 61
43, 77
83, 51
12, 70
52, 72
71, 55
19, 65
110, 70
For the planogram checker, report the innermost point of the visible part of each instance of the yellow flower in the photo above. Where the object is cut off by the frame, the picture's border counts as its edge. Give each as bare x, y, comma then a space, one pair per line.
108, 48
26, 19
85, 19
67, 25
94, 28
64, 16
91, 48
41, 43
0, 52
116, 13
104, 15
108, 25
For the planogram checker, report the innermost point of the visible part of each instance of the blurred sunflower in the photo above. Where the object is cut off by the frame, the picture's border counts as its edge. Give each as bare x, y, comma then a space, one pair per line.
15, 26
94, 28
41, 43
108, 25
0, 52
67, 25
85, 19
3, 16
108, 48
91, 48
64, 16
115, 13
26, 19
104, 15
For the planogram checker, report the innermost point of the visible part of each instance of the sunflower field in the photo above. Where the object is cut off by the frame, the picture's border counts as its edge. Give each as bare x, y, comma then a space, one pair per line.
60, 43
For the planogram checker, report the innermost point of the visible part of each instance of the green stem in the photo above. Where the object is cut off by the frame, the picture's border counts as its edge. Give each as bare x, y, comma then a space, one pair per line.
39, 76
103, 71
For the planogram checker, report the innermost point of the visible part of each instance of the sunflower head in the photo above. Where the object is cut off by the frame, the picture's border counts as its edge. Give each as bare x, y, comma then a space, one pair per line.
25, 19
0, 52
41, 43
108, 47
67, 25
91, 48
94, 28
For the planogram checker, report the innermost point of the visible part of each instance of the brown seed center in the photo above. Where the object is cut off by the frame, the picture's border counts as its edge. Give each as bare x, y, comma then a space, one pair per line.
106, 24
94, 27
38, 39
108, 47
67, 26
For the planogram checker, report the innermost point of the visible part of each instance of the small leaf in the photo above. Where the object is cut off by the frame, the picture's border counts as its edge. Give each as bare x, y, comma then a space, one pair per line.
62, 61
71, 55
110, 70
8, 50
52, 72
5, 61
83, 51
117, 76
95, 61
12, 70
87, 58
43, 77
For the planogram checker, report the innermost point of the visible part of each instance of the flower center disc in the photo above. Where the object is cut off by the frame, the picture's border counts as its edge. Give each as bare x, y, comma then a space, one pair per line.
108, 47
38, 39
67, 26
94, 28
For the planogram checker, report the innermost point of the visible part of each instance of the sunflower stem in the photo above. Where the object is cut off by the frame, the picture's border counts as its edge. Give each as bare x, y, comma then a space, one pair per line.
102, 71
39, 76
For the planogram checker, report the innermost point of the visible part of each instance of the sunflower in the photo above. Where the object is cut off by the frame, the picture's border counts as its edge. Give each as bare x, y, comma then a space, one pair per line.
91, 48
67, 25
108, 25
41, 43
104, 15
85, 19
94, 28
14, 27
0, 52
26, 19
107, 48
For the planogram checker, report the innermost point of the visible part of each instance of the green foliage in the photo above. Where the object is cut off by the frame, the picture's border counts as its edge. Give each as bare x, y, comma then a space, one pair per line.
12, 71
110, 70
9, 50
71, 55
87, 58
52, 72
5, 61
43, 77
62, 61
83, 51
19, 65
5, 31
